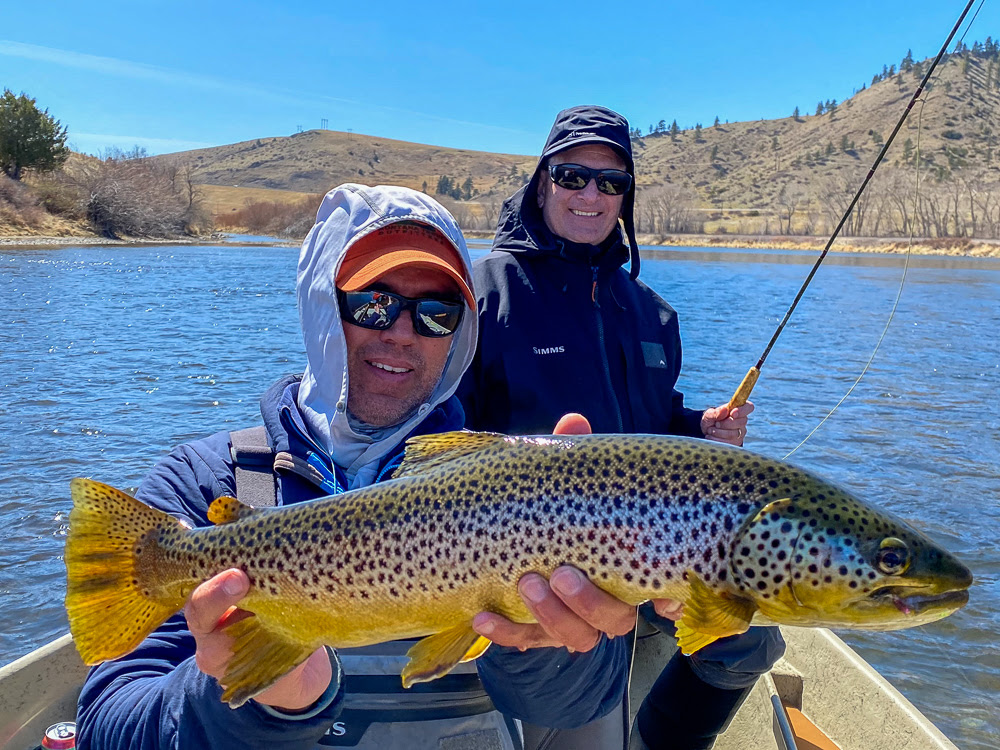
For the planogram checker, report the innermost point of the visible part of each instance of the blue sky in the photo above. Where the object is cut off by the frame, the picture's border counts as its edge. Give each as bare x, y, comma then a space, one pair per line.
176, 75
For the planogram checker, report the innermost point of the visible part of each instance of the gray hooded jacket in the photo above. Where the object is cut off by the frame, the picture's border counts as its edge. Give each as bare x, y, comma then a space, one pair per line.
348, 213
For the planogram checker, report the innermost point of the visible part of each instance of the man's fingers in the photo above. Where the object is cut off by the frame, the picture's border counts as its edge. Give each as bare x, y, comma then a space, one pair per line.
669, 608
597, 608
555, 618
211, 600
503, 632
572, 424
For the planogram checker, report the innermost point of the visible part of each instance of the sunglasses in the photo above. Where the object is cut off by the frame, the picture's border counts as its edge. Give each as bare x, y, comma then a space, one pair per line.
379, 311
576, 177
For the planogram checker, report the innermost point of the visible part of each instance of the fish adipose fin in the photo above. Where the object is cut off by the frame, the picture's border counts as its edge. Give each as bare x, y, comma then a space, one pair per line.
436, 655
109, 611
260, 658
228, 509
708, 617
425, 453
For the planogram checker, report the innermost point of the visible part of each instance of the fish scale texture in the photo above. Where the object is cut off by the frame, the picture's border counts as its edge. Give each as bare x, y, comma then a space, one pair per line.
452, 537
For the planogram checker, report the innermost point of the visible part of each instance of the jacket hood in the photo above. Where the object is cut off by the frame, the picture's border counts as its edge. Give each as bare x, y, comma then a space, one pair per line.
521, 226
346, 214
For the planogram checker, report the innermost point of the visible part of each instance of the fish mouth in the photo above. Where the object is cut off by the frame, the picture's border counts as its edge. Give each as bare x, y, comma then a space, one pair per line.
914, 603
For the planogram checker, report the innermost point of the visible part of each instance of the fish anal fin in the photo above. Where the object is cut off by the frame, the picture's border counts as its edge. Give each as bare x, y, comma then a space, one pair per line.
261, 657
228, 509
436, 655
427, 452
709, 616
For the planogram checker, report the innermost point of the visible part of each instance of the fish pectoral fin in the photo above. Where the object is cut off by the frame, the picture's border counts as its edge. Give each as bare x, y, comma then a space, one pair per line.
436, 655
709, 616
260, 658
425, 453
228, 509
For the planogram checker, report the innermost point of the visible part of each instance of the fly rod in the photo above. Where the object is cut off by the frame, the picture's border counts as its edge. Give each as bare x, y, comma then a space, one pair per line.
750, 380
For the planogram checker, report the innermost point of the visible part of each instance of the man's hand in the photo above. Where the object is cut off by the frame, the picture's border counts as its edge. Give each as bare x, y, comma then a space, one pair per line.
211, 607
725, 426
571, 611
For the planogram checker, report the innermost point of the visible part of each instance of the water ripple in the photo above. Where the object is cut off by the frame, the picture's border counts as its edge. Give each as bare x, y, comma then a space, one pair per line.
113, 355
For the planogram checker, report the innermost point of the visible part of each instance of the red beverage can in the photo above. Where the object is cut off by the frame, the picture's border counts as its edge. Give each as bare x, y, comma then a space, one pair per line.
60, 736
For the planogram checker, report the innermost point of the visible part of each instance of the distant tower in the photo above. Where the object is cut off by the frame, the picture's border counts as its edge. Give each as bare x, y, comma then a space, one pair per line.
323, 124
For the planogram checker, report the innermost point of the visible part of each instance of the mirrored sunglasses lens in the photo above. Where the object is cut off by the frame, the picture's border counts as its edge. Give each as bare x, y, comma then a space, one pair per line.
438, 318
571, 177
614, 183
372, 309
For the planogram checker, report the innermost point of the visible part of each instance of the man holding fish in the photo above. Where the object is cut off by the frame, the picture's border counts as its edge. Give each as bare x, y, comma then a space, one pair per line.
388, 319
563, 328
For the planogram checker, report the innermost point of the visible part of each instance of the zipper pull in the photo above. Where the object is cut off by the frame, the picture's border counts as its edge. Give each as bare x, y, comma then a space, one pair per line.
593, 289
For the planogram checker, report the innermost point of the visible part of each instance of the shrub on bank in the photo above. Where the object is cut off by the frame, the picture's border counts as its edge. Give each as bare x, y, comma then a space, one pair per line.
272, 218
18, 205
128, 194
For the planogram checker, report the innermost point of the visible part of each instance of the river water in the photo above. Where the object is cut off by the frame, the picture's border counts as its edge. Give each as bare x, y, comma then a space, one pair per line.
109, 356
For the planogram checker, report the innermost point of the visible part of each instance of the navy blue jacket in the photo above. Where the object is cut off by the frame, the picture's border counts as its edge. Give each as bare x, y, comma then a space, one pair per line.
562, 328
156, 697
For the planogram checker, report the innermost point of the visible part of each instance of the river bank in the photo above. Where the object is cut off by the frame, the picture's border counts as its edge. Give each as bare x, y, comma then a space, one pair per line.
955, 247
963, 247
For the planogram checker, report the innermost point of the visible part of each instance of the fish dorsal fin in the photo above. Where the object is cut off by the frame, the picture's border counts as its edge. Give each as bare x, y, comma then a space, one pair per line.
709, 616
436, 655
425, 453
228, 509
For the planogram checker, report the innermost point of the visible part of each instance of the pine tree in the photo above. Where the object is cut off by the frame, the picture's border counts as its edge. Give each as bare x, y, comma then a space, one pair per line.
30, 138
795, 114
820, 108
907, 62
674, 130
716, 124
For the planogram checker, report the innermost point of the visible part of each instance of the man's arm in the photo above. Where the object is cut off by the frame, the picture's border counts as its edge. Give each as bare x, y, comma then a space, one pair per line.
157, 696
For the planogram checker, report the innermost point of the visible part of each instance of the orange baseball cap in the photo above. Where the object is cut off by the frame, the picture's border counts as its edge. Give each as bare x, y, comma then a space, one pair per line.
404, 243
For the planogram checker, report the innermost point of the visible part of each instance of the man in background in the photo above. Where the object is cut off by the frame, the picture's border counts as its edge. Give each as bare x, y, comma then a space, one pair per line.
564, 328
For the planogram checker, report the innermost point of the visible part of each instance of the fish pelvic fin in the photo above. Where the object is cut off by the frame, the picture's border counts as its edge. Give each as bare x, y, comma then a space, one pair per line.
109, 611
436, 655
709, 616
228, 509
261, 656
425, 453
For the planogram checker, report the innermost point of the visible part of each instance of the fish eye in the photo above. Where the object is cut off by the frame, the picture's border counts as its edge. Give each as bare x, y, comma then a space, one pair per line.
893, 557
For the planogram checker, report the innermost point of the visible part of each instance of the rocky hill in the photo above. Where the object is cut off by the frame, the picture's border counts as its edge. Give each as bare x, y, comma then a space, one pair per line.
794, 171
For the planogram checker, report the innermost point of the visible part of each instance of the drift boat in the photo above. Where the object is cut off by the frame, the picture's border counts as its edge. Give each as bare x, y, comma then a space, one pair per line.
821, 696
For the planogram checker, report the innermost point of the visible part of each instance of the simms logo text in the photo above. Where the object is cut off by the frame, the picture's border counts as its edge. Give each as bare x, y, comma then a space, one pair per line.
549, 350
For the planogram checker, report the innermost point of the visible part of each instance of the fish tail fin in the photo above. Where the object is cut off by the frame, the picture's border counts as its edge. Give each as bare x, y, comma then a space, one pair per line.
109, 612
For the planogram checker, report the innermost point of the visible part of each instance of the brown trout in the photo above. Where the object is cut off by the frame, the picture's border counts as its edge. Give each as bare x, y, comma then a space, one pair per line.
739, 538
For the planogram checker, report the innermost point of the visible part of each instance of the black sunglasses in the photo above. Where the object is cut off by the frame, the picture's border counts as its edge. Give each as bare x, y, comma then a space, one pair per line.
576, 177
378, 311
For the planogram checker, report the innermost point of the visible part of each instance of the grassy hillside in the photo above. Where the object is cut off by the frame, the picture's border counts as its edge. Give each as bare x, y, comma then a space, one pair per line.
790, 175
316, 160
793, 175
